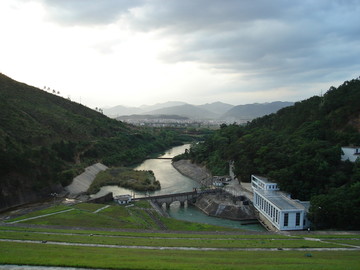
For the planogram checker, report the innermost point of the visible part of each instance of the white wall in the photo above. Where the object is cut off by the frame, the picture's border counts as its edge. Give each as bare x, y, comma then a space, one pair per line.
349, 153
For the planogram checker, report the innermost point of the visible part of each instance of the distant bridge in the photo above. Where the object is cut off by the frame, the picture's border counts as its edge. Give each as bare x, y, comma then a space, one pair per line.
189, 197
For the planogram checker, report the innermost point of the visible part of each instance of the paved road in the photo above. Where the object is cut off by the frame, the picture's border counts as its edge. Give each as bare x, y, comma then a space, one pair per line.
29, 267
177, 248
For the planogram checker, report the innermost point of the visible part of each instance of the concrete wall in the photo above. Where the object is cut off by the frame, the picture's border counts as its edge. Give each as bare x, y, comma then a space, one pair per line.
82, 182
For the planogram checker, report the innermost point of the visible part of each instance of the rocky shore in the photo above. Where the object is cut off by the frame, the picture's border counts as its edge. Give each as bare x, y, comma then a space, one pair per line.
223, 205
198, 173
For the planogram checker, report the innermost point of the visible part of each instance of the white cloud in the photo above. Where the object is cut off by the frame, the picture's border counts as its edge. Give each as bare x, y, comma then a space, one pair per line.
137, 52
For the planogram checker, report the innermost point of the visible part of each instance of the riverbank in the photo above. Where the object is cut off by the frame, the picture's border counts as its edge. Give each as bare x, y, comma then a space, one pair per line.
229, 205
198, 173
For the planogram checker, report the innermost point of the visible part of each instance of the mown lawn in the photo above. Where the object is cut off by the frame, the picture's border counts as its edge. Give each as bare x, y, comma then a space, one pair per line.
167, 242
114, 258
167, 234
110, 222
354, 242
50, 210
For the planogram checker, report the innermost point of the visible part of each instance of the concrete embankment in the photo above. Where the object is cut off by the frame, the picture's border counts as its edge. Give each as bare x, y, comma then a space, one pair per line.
82, 182
193, 171
223, 205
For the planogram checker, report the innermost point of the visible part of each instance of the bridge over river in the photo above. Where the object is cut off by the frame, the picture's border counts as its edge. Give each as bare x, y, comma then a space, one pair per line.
189, 197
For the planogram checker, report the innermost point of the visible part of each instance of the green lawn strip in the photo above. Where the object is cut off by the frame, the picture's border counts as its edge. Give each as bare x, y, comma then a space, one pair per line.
145, 241
78, 218
151, 234
50, 210
142, 204
332, 236
91, 207
354, 242
113, 258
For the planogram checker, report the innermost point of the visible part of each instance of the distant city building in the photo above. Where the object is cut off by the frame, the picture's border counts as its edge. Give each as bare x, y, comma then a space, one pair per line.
276, 208
351, 153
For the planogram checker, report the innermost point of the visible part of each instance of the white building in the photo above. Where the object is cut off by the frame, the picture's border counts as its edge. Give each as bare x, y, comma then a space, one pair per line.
259, 182
350, 153
277, 207
122, 199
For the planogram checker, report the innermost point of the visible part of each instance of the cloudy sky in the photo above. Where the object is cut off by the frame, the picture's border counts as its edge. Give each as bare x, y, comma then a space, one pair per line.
134, 52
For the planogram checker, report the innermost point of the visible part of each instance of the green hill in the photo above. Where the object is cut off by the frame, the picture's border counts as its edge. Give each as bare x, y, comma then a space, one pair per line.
45, 140
300, 148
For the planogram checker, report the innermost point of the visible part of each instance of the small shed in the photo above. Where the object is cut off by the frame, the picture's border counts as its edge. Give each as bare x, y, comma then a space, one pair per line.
123, 199
218, 184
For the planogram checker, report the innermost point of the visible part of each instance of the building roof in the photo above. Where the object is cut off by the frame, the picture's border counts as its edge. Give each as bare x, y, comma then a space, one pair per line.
281, 201
122, 197
264, 179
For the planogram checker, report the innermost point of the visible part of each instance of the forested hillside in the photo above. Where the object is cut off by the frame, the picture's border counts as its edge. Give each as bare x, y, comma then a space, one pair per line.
300, 148
45, 140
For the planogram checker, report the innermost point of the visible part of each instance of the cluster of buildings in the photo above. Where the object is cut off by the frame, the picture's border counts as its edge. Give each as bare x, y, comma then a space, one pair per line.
168, 122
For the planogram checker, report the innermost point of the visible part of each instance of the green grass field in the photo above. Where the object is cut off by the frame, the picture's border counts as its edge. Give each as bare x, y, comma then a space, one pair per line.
198, 246
122, 258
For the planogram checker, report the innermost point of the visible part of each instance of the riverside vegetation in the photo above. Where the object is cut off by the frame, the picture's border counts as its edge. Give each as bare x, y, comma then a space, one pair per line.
127, 178
300, 148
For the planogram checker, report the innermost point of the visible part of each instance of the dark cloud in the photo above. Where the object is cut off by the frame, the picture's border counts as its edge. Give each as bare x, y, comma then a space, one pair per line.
276, 39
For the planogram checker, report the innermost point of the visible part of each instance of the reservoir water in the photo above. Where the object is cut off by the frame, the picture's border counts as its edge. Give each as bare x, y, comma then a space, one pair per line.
173, 182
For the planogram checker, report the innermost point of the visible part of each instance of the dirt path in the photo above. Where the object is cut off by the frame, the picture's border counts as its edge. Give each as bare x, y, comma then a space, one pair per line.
45, 215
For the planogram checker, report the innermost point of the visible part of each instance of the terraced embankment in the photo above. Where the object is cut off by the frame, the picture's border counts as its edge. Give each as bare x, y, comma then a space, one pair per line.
150, 250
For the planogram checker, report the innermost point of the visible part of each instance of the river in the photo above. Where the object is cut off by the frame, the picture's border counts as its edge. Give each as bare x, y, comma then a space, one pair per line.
173, 182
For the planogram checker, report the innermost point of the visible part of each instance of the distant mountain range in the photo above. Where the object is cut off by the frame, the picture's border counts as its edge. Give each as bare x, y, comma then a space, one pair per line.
251, 111
212, 111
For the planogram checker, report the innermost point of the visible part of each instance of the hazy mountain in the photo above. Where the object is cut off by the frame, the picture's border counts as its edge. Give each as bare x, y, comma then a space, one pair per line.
216, 107
186, 110
122, 110
149, 108
151, 117
215, 110
251, 111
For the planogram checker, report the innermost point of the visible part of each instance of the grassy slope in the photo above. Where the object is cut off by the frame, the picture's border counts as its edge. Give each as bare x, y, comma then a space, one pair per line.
116, 217
112, 258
